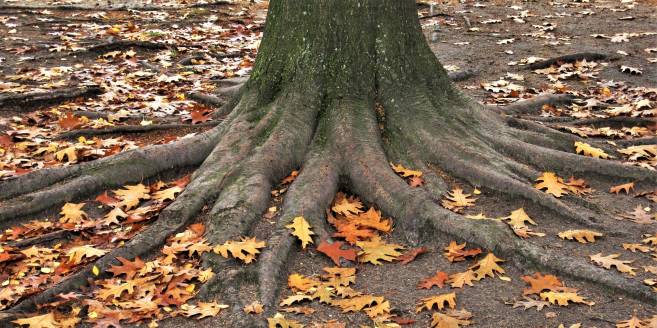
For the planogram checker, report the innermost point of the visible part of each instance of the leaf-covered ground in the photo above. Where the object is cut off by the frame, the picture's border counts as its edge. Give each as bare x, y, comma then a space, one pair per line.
148, 63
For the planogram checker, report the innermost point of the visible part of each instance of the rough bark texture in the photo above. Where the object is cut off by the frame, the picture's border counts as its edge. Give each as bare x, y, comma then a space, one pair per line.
322, 67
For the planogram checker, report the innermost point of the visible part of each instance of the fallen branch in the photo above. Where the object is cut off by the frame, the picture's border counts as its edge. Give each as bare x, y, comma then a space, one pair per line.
568, 59
535, 104
122, 129
34, 100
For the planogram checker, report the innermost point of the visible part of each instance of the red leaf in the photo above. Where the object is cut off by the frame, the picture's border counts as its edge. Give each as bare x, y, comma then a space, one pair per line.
127, 267
411, 254
335, 252
200, 115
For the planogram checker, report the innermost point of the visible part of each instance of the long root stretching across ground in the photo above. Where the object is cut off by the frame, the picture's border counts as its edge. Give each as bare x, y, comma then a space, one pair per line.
339, 92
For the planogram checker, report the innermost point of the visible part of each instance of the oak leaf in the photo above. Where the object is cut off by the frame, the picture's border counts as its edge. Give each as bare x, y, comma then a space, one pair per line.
336, 252
562, 298
279, 321
518, 218
300, 283
376, 250
456, 253
127, 267
588, 150
582, 236
456, 200
246, 249
611, 260
540, 282
295, 299
626, 187
411, 254
436, 280
487, 267
530, 303
633, 322
552, 184
346, 206
439, 320
460, 279
167, 194
76, 254
40, 321
636, 248
72, 213
404, 172
301, 229
130, 196
437, 301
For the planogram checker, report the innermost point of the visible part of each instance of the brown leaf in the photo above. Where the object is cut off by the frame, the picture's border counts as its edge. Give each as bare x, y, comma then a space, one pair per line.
627, 187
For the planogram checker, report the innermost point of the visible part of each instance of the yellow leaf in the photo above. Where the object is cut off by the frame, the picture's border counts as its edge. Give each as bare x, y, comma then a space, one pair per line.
487, 267
76, 254
301, 229
70, 153
439, 320
279, 321
437, 301
131, 195
588, 150
582, 236
295, 299
245, 250
562, 298
552, 184
404, 172
167, 194
633, 322
95, 270
518, 218
72, 213
611, 260
300, 283
375, 249
456, 200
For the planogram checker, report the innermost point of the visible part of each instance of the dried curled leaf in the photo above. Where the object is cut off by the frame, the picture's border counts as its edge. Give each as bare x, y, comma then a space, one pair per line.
626, 187
438, 301
487, 267
582, 236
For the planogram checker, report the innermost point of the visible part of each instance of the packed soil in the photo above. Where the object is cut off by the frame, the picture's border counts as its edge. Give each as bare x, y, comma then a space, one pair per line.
464, 37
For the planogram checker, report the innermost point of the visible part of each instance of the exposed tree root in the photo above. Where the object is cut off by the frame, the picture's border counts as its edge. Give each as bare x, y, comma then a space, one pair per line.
116, 8
46, 188
590, 56
35, 100
637, 142
127, 129
461, 75
535, 104
55, 235
189, 60
206, 99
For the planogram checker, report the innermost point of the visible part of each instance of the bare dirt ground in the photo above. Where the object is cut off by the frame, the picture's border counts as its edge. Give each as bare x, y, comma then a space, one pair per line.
464, 36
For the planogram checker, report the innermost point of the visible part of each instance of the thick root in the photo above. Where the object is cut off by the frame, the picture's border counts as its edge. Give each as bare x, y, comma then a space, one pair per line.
51, 187
534, 105
35, 100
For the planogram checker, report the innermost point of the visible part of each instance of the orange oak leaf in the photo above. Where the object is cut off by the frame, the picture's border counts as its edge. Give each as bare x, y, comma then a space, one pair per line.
335, 251
127, 267
626, 187
436, 280
539, 282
